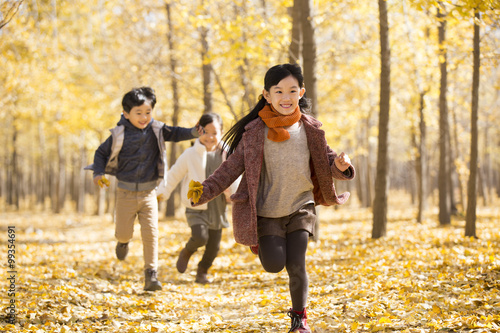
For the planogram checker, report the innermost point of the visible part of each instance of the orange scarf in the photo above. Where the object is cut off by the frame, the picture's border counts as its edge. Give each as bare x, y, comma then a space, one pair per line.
276, 122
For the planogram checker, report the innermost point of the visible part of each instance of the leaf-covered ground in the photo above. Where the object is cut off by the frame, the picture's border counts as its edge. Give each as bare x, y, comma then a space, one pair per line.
420, 278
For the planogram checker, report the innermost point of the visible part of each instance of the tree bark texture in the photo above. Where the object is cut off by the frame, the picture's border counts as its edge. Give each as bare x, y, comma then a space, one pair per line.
443, 187
309, 54
294, 51
381, 181
470, 218
206, 71
170, 210
421, 164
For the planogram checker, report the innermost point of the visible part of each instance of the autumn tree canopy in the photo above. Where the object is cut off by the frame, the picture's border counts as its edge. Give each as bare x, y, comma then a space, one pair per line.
65, 67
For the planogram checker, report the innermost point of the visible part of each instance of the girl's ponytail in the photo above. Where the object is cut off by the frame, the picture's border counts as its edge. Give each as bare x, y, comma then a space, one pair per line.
232, 137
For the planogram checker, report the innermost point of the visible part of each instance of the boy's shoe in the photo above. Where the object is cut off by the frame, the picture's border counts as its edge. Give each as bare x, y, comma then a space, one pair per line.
254, 249
151, 282
201, 275
299, 322
183, 260
121, 250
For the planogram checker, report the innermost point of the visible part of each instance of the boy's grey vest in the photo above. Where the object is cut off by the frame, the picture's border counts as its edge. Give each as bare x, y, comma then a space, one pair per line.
118, 134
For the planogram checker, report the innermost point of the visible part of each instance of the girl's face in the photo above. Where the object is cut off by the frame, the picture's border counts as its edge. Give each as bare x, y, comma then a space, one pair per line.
140, 116
285, 96
212, 136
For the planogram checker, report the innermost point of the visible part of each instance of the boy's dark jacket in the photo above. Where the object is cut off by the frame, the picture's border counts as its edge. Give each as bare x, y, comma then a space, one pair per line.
248, 158
141, 157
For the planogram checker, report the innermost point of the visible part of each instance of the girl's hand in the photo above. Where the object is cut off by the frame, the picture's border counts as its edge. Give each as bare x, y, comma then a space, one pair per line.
342, 162
195, 191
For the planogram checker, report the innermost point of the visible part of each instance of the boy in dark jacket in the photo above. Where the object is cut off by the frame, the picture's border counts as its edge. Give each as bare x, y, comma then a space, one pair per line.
135, 153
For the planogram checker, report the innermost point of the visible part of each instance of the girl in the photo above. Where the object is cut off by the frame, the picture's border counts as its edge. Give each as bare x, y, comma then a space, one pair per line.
287, 168
206, 221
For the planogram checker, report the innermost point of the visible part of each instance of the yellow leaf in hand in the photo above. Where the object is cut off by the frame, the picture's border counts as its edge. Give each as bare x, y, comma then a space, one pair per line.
159, 197
195, 191
103, 182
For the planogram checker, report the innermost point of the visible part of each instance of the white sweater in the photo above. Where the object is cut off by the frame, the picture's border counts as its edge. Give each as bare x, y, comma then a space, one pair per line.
189, 166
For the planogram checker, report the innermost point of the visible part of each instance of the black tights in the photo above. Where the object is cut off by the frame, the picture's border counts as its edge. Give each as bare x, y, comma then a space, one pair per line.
275, 253
202, 236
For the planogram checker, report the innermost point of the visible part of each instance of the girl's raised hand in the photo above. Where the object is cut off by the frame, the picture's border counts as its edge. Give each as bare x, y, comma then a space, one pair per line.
342, 162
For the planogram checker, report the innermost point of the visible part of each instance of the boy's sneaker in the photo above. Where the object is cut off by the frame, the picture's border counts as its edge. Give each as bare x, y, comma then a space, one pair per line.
151, 282
299, 322
121, 250
254, 249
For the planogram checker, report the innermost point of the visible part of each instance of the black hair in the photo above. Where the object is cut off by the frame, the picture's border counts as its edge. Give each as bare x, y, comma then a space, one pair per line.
137, 97
273, 76
209, 118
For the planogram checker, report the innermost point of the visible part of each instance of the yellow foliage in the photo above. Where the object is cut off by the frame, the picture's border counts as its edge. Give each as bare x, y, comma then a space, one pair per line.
103, 182
195, 191
71, 280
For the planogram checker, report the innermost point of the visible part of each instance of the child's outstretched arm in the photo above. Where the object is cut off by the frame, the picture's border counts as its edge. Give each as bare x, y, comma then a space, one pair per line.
176, 133
223, 177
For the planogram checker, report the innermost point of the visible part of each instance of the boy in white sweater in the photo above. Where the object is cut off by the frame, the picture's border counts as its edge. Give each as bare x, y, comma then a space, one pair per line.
206, 221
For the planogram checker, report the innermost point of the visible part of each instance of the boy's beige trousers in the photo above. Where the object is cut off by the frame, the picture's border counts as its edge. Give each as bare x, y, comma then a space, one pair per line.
144, 205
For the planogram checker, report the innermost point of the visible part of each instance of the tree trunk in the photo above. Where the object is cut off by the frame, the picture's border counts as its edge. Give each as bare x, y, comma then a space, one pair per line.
470, 219
42, 169
421, 163
170, 210
443, 187
80, 201
101, 201
111, 196
461, 191
294, 50
206, 71
248, 95
364, 169
14, 178
309, 67
309, 53
451, 174
60, 177
381, 181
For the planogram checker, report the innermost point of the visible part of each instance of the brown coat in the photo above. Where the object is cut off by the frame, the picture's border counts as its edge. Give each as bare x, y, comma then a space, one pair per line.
248, 157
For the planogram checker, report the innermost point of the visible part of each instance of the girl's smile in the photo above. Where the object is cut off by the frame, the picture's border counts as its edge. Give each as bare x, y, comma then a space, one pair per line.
285, 96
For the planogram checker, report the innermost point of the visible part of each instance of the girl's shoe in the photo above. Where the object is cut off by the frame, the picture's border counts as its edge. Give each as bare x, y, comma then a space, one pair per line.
201, 275
183, 260
299, 322
255, 249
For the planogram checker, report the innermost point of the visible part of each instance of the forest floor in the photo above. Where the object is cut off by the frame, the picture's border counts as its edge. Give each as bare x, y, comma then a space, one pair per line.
419, 278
